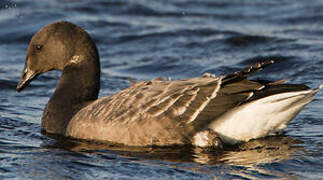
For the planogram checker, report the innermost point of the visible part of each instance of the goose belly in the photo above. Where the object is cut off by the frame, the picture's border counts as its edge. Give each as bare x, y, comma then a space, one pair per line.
260, 118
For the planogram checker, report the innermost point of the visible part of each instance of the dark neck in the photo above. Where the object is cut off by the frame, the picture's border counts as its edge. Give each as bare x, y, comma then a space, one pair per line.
78, 85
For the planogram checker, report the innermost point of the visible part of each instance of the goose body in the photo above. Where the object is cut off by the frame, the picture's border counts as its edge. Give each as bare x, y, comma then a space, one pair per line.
203, 111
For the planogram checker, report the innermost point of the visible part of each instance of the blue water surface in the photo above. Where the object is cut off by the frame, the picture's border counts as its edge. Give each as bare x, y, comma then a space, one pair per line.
145, 39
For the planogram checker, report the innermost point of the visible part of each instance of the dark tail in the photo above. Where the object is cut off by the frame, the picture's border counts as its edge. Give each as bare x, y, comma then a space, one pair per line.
247, 71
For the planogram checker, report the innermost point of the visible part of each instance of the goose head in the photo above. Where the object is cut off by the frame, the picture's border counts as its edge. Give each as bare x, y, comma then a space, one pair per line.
53, 48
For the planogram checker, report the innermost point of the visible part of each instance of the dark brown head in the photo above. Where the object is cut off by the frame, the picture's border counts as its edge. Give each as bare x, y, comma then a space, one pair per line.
52, 48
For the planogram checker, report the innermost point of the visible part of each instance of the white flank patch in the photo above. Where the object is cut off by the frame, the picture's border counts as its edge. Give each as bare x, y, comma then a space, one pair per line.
261, 117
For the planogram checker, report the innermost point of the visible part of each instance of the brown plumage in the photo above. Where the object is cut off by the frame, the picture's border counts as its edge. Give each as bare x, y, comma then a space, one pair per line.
155, 112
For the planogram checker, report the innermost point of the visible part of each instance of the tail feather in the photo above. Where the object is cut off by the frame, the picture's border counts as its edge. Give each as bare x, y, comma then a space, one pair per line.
247, 71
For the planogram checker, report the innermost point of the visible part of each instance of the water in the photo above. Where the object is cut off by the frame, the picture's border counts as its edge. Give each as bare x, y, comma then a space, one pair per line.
145, 39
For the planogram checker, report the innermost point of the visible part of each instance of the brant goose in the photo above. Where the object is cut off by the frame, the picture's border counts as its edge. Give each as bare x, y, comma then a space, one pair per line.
204, 111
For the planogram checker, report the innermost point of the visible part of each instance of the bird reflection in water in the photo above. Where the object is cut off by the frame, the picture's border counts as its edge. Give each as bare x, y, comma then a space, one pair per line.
250, 156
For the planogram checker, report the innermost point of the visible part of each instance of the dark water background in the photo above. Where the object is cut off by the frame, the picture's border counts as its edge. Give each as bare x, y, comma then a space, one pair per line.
142, 39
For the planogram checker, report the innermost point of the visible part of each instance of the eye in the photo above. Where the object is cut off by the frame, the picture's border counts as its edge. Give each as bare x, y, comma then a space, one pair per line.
38, 47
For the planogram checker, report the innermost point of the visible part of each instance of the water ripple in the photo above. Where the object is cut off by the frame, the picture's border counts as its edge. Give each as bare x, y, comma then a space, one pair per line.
142, 40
